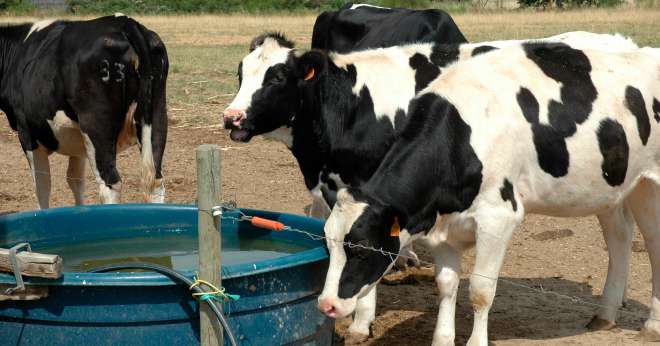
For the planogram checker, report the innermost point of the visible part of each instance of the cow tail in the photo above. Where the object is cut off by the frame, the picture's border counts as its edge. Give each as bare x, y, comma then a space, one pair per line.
143, 113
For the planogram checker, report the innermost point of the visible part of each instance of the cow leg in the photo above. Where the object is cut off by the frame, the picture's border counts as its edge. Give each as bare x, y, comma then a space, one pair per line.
495, 225
618, 226
365, 314
644, 203
319, 208
448, 269
407, 257
75, 177
40, 168
103, 160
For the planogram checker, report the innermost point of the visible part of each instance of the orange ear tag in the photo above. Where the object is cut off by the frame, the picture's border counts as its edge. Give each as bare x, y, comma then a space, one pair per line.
396, 229
310, 74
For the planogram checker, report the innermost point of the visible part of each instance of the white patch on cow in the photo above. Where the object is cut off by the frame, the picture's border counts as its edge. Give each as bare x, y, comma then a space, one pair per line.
110, 194
254, 69
119, 14
158, 193
355, 6
68, 135
90, 150
365, 314
387, 75
589, 40
148, 168
40, 169
38, 26
282, 134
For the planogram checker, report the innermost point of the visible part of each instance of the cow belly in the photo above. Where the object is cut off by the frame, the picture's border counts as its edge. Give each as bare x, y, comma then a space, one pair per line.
68, 135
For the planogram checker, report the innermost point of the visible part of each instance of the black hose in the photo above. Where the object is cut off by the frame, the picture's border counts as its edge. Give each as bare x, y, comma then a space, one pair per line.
174, 275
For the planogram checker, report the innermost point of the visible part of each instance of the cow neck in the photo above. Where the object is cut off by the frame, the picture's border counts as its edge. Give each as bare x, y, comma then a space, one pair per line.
11, 37
431, 169
306, 145
320, 120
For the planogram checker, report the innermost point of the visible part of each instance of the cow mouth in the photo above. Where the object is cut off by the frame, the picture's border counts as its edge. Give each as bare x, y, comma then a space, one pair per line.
240, 135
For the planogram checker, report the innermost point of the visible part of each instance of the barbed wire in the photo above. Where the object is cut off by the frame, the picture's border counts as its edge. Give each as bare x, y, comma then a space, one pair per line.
231, 206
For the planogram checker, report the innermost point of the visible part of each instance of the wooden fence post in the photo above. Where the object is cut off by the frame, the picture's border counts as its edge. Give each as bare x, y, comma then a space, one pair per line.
208, 195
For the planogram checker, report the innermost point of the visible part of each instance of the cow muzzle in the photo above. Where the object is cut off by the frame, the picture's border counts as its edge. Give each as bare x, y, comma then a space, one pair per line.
233, 118
335, 307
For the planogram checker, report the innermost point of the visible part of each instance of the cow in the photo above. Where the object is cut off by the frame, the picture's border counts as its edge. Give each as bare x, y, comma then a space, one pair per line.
86, 89
540, 128
361, 26
339, 118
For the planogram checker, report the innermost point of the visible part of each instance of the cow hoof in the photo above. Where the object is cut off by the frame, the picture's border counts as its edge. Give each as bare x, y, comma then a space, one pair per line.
353, 338
648, 335
598, 323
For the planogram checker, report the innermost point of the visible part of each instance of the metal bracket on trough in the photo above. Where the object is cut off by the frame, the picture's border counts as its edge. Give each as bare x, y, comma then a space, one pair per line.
20, 286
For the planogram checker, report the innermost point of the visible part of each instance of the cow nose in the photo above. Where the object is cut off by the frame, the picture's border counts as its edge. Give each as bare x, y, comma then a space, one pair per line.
232, 117
327, 307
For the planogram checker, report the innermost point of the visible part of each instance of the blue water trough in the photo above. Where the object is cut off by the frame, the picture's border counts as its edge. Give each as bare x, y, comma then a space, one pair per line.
278, 276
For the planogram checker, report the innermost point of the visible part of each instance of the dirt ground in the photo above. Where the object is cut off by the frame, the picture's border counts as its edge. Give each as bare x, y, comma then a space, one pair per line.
566, 256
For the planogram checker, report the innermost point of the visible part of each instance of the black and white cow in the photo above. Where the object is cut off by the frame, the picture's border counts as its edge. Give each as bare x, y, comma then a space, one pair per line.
360, 26
538, 128
86, 89
339, 113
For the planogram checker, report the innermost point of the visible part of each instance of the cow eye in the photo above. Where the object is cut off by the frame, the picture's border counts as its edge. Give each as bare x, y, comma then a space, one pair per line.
275, 75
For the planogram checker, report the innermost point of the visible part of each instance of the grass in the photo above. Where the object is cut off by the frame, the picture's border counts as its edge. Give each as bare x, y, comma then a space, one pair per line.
205, 50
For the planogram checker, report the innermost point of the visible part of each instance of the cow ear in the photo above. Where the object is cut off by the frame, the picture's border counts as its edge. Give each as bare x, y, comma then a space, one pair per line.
395, 230
310, 65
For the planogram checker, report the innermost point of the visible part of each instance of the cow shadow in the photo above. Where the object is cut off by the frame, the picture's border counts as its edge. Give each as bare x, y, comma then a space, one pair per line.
408, 311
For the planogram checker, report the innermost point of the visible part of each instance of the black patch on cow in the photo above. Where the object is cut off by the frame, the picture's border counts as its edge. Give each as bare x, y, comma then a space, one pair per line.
506, 191
571, 68
277, 36
425, 71
482, 49
445, 54
637, 106
430, 169
329, 195
656, 110
614, 147
399, 119
553, 156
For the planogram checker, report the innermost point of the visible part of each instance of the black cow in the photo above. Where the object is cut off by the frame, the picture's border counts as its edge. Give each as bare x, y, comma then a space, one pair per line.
355, 27
86, 89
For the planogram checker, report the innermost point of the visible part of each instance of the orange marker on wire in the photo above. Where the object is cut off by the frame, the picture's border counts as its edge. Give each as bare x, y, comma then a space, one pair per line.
267, 224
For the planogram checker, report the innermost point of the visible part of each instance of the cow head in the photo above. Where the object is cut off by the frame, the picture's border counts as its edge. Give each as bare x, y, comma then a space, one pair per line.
354, 270
270, 78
